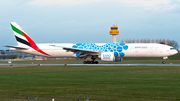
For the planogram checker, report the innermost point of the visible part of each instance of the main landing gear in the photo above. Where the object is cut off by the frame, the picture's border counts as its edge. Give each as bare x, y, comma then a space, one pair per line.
89, 58
90, 62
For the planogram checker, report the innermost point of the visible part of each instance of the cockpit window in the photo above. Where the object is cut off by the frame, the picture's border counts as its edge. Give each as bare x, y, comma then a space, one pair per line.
172, 48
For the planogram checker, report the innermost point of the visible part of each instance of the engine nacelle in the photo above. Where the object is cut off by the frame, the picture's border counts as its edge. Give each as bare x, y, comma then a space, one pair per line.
109, 56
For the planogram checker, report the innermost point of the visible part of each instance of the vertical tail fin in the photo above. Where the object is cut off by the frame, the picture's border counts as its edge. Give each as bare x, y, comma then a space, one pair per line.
23, 39
19, 35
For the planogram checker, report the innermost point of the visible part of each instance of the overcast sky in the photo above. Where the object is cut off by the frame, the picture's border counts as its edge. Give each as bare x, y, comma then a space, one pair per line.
89, 21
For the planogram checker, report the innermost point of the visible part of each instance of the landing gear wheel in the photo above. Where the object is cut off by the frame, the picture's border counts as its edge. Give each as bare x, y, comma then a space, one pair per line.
84, 62
96, 62
88, 62
163, 62
91, 62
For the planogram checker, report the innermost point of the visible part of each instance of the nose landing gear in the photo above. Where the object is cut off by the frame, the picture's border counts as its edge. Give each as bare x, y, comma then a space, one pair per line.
163, 62
164, 58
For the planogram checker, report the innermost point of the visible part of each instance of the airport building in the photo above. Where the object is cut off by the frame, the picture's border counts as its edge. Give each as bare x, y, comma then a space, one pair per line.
10, 54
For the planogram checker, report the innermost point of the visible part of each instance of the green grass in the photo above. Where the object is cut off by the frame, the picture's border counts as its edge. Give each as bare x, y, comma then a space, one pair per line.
99, 83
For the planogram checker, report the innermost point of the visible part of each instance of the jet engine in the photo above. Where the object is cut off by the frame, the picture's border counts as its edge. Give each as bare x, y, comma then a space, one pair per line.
109, 56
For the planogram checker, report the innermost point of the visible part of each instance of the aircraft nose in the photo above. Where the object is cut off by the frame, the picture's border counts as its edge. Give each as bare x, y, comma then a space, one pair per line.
177, 51
173, 52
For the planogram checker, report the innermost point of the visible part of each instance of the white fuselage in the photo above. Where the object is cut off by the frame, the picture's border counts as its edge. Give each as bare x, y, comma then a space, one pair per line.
128, 49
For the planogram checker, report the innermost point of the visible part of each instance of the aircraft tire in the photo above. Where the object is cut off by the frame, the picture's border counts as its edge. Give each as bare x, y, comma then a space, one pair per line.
88, 62
163, 62
91, 62
84, 62
96, 62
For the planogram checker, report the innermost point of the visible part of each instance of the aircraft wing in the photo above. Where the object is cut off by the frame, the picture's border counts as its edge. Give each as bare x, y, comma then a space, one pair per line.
16, 47
76, 50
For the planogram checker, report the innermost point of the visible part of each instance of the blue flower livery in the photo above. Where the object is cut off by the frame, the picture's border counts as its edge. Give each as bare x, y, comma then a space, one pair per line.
117, 48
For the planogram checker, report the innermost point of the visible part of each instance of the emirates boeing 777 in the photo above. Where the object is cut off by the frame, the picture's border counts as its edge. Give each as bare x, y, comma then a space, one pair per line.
89, 51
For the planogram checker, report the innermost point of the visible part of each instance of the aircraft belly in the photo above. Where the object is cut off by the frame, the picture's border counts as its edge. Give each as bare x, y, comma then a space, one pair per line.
30, 51
59, 53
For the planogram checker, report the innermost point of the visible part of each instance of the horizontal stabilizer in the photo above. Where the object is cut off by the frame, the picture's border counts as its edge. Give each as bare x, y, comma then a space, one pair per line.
16, 47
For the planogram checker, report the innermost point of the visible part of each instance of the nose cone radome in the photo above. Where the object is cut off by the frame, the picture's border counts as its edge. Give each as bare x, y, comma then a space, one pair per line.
176, 51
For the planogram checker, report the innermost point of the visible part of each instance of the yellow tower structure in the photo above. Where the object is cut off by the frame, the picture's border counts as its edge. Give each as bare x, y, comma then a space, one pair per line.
114, 31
